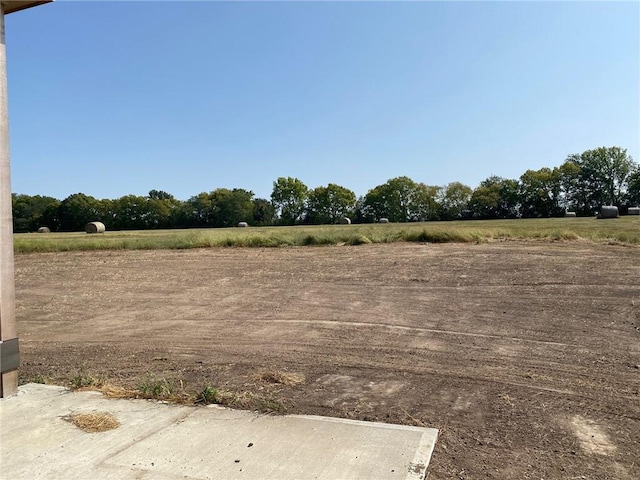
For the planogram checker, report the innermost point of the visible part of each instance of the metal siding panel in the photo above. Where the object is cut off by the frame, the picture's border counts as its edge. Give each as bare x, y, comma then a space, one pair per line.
9, 355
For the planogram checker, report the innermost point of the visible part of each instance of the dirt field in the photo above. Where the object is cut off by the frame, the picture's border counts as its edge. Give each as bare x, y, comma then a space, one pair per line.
525, 355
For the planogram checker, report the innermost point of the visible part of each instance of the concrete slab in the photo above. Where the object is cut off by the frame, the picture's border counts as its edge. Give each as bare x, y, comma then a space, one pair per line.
163, 441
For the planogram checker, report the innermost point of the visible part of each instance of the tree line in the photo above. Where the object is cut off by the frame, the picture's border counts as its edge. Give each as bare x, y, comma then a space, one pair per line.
583, 183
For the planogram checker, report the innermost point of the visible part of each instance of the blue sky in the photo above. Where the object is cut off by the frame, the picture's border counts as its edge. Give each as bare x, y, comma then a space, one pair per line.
113, 98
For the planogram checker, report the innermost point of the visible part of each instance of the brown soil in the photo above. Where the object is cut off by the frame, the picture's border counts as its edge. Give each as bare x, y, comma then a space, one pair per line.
525, 355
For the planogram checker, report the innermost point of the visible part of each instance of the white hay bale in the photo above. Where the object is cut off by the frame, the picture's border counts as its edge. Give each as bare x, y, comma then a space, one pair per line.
384, 220
243, 224
633, 211
44, 230
95, 227
344, 221
569, 214
608, 211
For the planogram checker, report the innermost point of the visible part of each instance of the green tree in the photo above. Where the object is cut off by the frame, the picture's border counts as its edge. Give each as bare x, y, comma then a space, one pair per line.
77, 210
400, 199
603, 175
288, 197
160, 195
130, 212
329, 204
197, 211
163, 210
32, 212
570, 188
633, 192
540, 193
495, 197
425, 204
453, 199
231, 206
264, 213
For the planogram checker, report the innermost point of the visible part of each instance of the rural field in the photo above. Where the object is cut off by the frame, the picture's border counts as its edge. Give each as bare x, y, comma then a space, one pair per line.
522, 348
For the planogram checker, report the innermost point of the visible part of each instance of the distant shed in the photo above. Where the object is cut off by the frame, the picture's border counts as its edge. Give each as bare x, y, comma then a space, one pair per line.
633, 211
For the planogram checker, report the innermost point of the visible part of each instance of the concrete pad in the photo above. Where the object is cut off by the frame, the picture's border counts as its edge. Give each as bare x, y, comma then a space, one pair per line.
163, 441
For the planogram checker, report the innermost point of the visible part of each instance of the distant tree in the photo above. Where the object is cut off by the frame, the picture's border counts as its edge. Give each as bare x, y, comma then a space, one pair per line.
329, 204
160, 195
264, 213
495, 197
540, 193
231, 206
603, 176
425, 204
288, 197
77, 210
130, 212
453, 199
197, 211
163, 213
400, 199
49, 217
379, 202
633, 192
361, 212
32, 212
570, 188
390, 200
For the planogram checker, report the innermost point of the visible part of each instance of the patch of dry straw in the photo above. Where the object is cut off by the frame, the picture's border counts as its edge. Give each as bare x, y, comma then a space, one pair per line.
93, 422
282, 378
113, 391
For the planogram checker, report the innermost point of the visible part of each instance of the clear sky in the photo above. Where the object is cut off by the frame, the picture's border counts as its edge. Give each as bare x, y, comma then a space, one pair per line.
112, 98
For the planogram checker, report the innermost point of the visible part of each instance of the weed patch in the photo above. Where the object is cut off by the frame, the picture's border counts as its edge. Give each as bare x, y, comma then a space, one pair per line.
208, 395
84, 380
157, 388
42, 379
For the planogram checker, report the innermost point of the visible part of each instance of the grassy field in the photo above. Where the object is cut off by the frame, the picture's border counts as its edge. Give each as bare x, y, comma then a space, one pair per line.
622, 230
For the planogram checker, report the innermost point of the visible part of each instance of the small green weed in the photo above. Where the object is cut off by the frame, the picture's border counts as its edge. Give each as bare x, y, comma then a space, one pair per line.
42, 379
208, 395
158, 388
84, 380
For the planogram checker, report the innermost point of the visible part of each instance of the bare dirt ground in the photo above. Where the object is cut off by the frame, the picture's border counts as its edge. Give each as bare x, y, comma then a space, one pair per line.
525, 355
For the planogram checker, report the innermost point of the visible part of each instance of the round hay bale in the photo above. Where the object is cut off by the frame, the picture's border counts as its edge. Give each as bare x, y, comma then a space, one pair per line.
95, 227
344, 221
243, 224
44, 230
608, 211
633, 211
384, 220
569, 214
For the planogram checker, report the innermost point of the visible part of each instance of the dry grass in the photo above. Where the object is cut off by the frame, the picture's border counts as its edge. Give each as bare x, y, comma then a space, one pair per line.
411, 420
244, 400
113, 391
93, 422
624, 229
507, 399
281, 378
